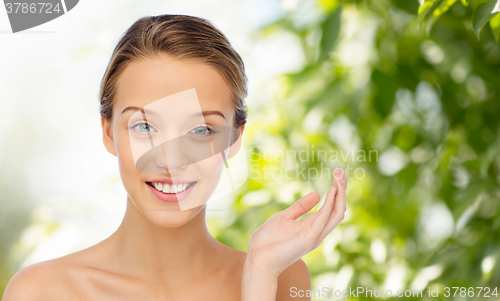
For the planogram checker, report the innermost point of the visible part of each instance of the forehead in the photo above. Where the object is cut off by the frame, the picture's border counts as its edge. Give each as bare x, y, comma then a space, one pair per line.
150, 79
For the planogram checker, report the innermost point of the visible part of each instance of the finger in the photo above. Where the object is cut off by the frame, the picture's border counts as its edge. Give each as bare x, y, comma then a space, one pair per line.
340, 203
311, 217
326, 209
340, 181
337, 214
302, 206
308, 220
338, 176
324, 213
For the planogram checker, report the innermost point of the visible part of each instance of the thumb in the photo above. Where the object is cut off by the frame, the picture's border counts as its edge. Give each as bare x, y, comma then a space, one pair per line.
302, 206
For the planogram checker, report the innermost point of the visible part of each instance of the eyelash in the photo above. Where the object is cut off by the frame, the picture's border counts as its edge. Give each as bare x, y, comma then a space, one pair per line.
133, 126
209, 128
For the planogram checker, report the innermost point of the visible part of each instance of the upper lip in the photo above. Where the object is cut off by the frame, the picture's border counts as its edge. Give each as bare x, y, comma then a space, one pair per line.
170, 181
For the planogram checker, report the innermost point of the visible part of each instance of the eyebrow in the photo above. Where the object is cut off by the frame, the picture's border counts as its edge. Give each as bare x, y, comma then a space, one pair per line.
139, 109
204, 113
208, 113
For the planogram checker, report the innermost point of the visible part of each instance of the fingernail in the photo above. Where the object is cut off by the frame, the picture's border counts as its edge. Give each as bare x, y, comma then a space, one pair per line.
337, 171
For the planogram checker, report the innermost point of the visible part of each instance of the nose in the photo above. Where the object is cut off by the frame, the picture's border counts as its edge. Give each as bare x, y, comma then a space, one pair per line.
171, 155
165, 157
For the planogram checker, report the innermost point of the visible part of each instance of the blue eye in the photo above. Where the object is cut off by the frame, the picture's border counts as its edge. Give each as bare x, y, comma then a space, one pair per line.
143, 128
202, 130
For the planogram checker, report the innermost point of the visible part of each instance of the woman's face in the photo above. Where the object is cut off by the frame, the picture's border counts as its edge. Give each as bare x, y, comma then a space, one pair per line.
145, 84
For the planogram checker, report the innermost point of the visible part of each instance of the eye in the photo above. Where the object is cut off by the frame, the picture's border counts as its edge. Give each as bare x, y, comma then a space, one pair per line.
202, 130
143, 128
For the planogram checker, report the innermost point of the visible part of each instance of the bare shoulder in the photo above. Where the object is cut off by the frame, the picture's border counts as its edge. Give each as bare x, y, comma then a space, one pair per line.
232, 256
293, 279
40, 281
55, 279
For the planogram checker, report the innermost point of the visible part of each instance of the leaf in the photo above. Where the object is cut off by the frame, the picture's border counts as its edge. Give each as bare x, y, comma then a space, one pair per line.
410, 7
443, 7
465, 3
430, 11
331, 30
475, 3
328, 5
482, 14
385, 87
423, 11
438, 12
495, 27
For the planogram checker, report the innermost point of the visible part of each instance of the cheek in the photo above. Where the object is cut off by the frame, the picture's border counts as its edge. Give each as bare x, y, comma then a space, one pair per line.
211, 168
125, 159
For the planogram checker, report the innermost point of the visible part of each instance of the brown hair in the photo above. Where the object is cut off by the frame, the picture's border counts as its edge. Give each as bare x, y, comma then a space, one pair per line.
184, 37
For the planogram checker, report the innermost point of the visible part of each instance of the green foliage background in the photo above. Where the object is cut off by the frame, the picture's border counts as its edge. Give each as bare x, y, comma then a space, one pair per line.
419, 84
428, 94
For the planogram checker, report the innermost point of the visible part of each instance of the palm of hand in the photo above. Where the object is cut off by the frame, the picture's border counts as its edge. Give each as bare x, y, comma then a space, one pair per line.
283, 239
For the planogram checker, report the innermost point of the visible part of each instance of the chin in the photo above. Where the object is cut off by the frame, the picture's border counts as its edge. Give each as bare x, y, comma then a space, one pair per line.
172, 219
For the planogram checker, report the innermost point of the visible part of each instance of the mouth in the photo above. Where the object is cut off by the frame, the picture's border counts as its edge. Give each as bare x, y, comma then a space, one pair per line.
171, 189
169, 192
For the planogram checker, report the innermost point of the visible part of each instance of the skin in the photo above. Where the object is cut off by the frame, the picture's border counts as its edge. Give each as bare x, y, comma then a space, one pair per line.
169, 254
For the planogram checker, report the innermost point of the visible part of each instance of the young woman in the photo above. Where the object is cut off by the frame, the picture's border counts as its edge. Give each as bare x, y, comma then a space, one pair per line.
160, 252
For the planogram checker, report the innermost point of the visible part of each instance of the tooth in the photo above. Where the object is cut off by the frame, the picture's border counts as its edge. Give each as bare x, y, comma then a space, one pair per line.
159, 186
179, 187
173, 189
184, 186
166, 188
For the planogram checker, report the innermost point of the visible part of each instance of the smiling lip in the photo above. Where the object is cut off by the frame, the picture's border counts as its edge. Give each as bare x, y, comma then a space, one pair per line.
171, 197
171, 181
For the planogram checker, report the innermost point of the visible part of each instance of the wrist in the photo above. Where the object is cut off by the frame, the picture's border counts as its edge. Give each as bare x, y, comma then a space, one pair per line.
258, 282
256, 267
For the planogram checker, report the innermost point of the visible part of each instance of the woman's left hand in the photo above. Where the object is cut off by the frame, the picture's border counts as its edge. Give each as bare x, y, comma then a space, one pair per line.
283, 239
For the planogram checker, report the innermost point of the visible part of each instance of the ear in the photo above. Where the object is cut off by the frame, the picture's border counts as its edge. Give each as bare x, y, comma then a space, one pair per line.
107, 136
233, 149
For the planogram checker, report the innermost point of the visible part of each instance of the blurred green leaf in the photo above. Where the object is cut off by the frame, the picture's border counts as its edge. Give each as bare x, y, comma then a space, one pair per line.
430, 12
475, 3
328, 5
423, 11
443, 7
409, 6
385, 86
482, 14
331, 30
495, 27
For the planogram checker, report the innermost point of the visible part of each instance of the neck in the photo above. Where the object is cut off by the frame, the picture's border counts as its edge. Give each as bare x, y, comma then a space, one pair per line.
147, 250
